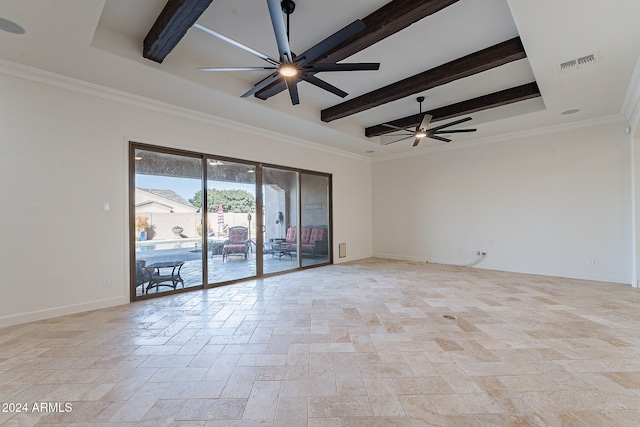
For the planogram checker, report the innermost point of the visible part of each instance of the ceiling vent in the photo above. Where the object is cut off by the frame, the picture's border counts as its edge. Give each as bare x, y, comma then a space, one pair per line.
577, 63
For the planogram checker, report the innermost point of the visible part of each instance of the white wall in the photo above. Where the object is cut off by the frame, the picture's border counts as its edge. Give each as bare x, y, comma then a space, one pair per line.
64, 153
542, 204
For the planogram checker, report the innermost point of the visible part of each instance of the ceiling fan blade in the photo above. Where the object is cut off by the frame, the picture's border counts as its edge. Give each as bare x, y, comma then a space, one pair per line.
236, 44
292, 85
439, 138
426, 119
455, 131
466, 119
280, 31
397, 135
416, 142
397, 140
330, 42
237, 69
396, 127
262, 84
323, 85
360, 66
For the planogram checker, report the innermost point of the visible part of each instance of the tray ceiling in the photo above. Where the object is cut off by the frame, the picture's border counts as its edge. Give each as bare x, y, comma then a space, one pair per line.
90, 35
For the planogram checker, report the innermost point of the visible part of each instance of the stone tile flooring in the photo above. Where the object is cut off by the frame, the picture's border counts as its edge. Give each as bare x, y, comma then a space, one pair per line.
368, 343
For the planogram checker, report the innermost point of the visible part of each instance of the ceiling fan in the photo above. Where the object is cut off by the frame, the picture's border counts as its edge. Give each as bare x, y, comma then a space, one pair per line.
291, 67
423, 131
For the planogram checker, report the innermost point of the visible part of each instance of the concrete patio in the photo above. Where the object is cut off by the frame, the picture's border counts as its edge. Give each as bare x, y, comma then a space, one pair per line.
220, 271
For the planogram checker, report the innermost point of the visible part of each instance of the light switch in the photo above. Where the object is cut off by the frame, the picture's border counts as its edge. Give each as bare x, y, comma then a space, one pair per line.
106, 206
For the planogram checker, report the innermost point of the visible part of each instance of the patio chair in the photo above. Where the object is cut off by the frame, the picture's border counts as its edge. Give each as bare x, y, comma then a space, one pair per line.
142, 275
237, 244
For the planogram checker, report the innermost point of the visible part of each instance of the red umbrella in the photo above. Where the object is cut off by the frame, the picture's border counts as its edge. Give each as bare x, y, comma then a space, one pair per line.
220, 215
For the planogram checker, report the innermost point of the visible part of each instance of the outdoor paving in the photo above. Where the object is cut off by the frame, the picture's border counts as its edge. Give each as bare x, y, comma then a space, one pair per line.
234, 268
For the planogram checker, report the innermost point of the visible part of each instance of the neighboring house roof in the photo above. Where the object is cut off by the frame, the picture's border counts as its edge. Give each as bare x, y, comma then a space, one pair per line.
152, 202
168, 194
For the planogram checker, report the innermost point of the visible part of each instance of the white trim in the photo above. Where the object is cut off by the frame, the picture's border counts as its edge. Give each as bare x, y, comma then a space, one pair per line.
509, 269
349, 258
616, 118
34, 74
48, 313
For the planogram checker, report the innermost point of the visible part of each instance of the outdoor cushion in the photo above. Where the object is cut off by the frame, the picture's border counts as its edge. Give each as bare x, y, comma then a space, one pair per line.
237, 242
308, 238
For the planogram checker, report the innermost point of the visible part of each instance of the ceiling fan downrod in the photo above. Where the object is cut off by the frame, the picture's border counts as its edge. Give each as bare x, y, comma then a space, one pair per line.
421, 132
288, 6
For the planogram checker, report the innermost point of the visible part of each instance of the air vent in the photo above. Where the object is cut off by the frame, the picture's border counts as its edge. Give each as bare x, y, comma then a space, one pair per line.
586, 60
577, 63
568, 66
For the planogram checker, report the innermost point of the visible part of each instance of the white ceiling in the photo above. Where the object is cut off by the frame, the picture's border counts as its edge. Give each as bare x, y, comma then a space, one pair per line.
100, 42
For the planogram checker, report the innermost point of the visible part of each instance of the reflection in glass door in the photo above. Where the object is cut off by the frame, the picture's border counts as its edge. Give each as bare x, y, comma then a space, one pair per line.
280, 219
167, 222
231, 231
314, 235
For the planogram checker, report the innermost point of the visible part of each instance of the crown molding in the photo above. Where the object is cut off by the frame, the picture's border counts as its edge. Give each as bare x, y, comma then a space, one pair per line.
69, 83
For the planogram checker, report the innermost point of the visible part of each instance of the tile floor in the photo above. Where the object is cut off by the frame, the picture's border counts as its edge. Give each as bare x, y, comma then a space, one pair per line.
366, 343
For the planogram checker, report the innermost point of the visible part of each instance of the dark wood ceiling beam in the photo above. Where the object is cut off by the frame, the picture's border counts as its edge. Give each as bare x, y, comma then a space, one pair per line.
384, 22
172, 24
483, 60
485, 102
389, 19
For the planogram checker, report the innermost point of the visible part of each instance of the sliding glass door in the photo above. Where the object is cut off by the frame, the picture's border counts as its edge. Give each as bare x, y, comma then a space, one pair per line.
198, 221
315, 244
280, 219
231, 207
167, 221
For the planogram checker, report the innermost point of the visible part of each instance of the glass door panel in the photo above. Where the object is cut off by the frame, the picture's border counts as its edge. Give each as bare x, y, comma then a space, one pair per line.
314, 237
280, 219
231, 231
167, 222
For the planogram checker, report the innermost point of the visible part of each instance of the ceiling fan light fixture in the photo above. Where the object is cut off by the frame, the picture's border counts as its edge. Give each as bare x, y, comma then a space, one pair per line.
420, 133
288, 70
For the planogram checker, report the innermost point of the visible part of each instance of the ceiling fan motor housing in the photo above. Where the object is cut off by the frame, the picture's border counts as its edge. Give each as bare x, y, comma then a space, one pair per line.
288, 6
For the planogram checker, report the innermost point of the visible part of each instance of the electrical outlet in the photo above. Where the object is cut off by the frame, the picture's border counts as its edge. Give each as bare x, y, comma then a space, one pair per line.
106, 282
591, 261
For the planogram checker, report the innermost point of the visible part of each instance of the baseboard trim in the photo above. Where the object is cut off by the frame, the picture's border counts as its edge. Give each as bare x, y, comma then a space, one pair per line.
350, 258
32, 316
511, 269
